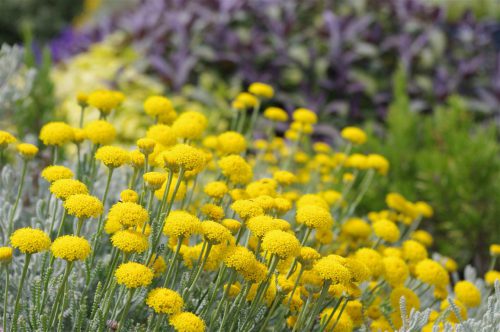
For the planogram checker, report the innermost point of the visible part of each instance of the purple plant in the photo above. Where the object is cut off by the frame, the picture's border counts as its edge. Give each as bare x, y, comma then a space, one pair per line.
334, 58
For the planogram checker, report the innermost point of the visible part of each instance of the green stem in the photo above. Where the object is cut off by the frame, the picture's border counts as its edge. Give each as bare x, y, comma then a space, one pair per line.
18, 198
126, 309
6, 296
174, 260
19, 291
60, 293
61, 225
54, 212
200, 269
253, 120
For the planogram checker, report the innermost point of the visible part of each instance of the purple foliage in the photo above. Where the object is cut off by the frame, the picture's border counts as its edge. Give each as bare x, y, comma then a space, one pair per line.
314, 55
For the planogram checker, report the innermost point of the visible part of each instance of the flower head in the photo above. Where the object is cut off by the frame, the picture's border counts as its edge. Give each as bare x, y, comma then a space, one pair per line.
56, 133
128, 214
216, 189
133, 275
29, 240
83, 206
56, 172
190, 125
261, 90
162, 134
5, 139
164, 301
26, 150
130, 241
314, 217
281, 243
105, 100
5, 255
112, 156
354, 135
236, 169
329, 268
231, 142
129, 195
432, 273
181, 224
276, 114
467, 293
214, 232
157, 105
386, 230
64, 188
154, 180
187, 322
70, 248
305, 116
100, 132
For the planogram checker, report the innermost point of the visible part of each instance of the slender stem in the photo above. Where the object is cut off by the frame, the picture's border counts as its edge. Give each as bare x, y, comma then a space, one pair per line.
6, 296
54, 212
18, 198
60, 293
174, 259
253, 120
61, 224
79, 227
200, 269
126, 309
19, 291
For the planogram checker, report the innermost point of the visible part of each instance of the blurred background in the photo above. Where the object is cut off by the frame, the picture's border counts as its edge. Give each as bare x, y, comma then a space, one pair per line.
422, 76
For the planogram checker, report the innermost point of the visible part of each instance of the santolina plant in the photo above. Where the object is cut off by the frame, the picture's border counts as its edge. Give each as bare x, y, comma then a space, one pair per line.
195, 231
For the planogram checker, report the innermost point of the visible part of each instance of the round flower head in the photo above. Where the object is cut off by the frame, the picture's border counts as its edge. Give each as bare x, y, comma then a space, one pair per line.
353, 135
181, 224
30, 240
214, 232
276, 114
130, 241
146, 145
236, 169
156, 105
261, 90
65, 188
423, 237
164, 301
158, 265
247, 209
112, 156
187, 322
281, 243
412, 300
26, 150
424, 209
70, 248
395, 271
181, 192
128, 195
329, 268
305, 116
105, 100
495, 250
162, 134
239, 258
212, 211
314, 217
56, 172
190, 125
386, 230
467, 293
154, 180
491, 277
245, 100
128, 214
356, 228
81, 98
136, 159
378, 163
5, 255
432, 273
216, 189
312, 199
285, 178
186, 156
79, 135
133, 275
260, 225
231, 142
413, 251
5, 139
100, 132
282, 205
83, 206
231, 224
56, 133
372, 259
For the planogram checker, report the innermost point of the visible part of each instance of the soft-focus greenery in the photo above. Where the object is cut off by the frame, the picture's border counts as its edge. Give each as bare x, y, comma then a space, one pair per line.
447, 159
480, 8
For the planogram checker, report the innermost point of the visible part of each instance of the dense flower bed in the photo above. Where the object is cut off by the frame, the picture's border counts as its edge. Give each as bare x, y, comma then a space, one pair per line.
193, 230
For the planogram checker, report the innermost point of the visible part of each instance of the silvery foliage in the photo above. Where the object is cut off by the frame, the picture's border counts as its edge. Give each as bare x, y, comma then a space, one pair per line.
16, 80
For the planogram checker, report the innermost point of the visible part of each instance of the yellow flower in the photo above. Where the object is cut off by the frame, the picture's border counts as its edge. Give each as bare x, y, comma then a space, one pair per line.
261, 90
281, 243
354, 135
423, 237
181, 192
133, 275
432, 273
187, 322
329, 268
27, 151
185, 156
260, 225
70, 248
386, 230
247, 209
162, 134
83, 206
395, 271
305, 116
216, 189
154, 180
5, 139
100, 132
285, 178
412, 300
29, 240
128, 195
81, 98
56, 172
5, 254
157, 105
338, 323
231, 142
495, 250
314, 217
452, 317
112, 156
467, 293
424, 209
65, 188
158, 265
214, 232
190, 125
164, 301
56, 133
136, 159
378, 163
312, 199
146, 145
491, 277
372, 259
356, 228
79, 135
181, 224
276, 114
246, 100
239, 258
130, 241
231, 224
212, 211
236, 169
128, 214
105, 100
413, 251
